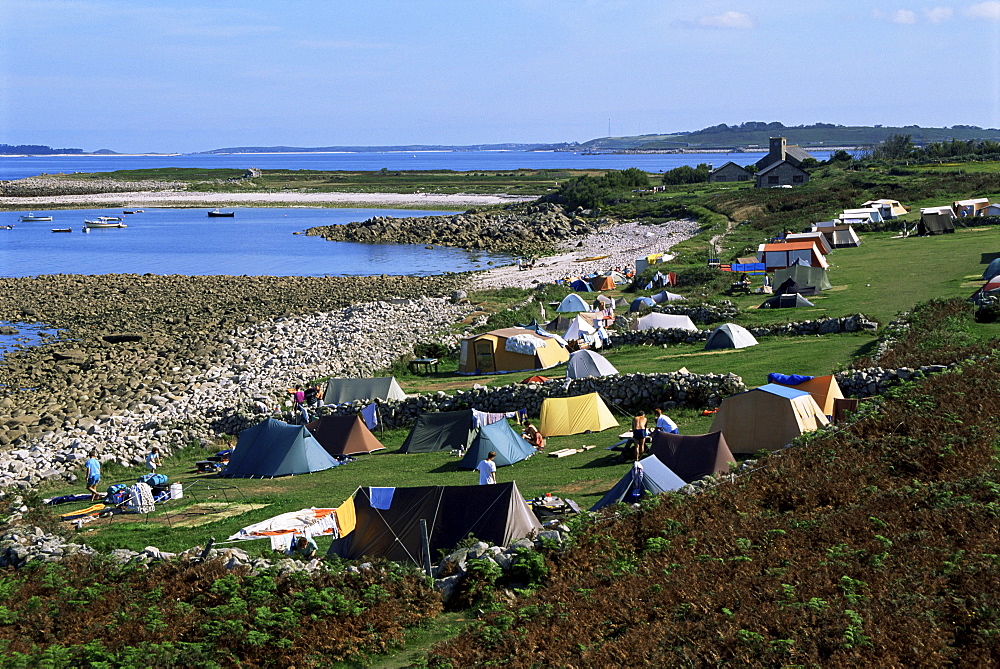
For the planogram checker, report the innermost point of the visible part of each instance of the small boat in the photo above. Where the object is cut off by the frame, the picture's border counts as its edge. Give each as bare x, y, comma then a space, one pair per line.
591, 258
99, 223
9, 226
27, 218
62, 229
217, 214
110, 219
132, 211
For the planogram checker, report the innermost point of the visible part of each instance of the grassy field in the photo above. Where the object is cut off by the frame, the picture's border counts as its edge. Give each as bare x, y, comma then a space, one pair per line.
900, 272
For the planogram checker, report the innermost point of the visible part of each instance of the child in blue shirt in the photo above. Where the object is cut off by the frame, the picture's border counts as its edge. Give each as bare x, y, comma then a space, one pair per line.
93, 467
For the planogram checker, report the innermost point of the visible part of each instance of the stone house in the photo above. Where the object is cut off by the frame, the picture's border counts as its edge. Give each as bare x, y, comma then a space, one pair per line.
729, 172
781, 173
780, 150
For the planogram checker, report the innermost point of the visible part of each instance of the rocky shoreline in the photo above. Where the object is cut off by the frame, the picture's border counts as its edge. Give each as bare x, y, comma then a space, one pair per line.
160, 361
519, 229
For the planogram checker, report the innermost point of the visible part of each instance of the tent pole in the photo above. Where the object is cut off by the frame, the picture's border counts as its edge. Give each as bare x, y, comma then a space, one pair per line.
425, 547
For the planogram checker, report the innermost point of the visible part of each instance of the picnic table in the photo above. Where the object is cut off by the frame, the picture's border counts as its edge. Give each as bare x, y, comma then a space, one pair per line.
423, 365
550, 505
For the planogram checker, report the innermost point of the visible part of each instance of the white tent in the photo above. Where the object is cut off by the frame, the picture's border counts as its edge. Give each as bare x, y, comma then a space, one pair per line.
664, 322
582, 328
666, 296
730, 335
572, 303
588, 363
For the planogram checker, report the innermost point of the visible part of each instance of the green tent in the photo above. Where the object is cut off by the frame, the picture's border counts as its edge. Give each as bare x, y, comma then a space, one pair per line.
804, 276
274, 448
444, 431
498, 437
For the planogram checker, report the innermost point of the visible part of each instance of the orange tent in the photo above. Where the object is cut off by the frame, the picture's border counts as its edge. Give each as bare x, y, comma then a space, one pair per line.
602, 283
824, 390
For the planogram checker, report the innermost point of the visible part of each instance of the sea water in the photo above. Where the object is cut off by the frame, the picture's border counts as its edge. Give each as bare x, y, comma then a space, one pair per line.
256, 242
463, 161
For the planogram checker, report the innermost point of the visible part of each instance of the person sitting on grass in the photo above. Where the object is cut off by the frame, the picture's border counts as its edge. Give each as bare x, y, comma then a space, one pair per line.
533, 436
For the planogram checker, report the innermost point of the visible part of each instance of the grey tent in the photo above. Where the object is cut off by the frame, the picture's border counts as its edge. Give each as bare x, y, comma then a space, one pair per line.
992, 269
500, 438
493, 513
692, 456
273, 448
730, 335
647, 477
444, 431
588, 363
804, 276
340, 391
785, 301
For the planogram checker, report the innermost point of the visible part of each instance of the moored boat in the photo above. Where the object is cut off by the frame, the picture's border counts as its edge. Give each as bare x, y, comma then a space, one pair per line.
217, 213
62, 229
132, 211
99, 223
27, 218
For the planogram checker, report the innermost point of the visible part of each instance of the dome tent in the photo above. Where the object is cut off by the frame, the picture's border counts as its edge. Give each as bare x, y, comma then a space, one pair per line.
588, 363
730, 335
572, 303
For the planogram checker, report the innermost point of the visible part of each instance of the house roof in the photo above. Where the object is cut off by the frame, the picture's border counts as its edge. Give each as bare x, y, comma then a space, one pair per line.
788, 246
727, 163
779, 163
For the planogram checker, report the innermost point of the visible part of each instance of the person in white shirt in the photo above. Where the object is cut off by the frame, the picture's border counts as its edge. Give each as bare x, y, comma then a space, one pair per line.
487, 469
664, 424
153, 460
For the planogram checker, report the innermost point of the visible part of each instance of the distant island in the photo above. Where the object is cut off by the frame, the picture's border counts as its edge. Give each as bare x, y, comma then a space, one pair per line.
750, 136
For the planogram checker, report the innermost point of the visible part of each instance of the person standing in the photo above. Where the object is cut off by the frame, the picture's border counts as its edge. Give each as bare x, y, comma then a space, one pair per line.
664, 424
639, 433
153, 460
487, 469
93, 467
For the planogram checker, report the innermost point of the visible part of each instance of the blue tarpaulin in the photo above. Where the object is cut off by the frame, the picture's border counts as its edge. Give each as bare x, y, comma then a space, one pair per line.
788, 379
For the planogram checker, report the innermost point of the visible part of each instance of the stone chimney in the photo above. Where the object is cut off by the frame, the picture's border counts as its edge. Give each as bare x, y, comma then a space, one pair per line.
778, 147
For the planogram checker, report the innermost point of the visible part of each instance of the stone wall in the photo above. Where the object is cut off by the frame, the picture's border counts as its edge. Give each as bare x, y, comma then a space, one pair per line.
876, 380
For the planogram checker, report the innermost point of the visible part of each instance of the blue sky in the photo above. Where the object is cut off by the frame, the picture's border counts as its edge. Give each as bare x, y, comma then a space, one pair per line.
189, 76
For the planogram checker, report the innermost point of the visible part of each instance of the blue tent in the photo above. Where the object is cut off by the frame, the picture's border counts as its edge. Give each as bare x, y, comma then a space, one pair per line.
640, 303
274, 448
648, 477
501, 439
580, 284
992, 269
572, 303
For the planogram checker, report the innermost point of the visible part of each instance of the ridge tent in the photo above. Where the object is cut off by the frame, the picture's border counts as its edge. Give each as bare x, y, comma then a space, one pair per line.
692, 456
767, 418
804, 276
341, 391
785, 300
640, 303
493, 513
730, 335
588, 363
572, 303
442, 431
575, 415
274, 448
602, 283
791, 287
344, 435
510, 350
647, 477
666, 296
656, 320
500, 438
824, 390
783, 254
936, 221
822, 243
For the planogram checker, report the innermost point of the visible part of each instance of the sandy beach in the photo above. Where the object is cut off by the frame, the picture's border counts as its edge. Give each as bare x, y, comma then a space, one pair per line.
292, 199
622, 244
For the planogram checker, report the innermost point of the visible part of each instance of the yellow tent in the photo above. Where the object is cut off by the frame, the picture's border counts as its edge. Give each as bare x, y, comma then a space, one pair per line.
767, 418
575, 415
824, 390
509, 350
